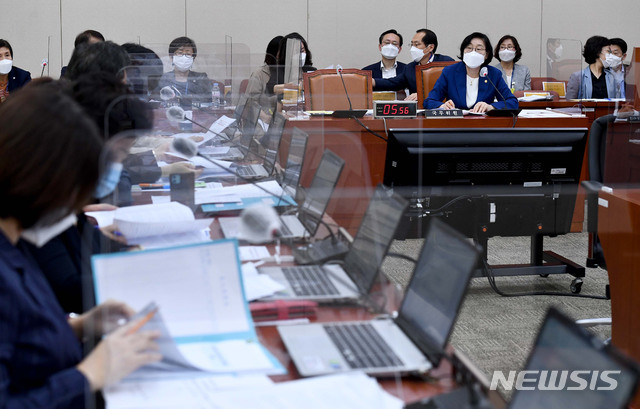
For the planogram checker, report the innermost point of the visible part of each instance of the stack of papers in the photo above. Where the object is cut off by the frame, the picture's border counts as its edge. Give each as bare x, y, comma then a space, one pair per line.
156, 225
202, 312
345, 391
240, 196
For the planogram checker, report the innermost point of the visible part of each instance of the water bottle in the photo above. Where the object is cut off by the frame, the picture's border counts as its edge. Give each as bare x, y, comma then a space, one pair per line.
215, 95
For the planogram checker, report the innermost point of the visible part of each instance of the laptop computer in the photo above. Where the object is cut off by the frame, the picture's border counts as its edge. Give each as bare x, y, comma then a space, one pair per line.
306, 222
562, 345
290, 179
415, 340
248, 122
606, 378
272, 144
357, 276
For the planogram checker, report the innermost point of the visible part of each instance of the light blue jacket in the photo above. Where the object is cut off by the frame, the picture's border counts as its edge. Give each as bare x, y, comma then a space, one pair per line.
580, 87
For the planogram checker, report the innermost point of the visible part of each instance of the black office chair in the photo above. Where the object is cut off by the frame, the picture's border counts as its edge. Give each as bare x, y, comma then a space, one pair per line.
597, 147
595, 258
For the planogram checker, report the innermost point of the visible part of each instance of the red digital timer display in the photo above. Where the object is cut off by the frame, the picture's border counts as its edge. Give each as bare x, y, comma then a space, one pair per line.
395, 109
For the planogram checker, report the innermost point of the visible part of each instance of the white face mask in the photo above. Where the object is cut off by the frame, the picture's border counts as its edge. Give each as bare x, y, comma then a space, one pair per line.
614, 60
607, 61
558, 51
473, 59
182, 63
507, 55
389, 51
40, 235
417, 54
5, 66
303, 59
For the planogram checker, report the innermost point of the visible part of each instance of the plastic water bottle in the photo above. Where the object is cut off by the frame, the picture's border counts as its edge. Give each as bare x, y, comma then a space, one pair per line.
215, 95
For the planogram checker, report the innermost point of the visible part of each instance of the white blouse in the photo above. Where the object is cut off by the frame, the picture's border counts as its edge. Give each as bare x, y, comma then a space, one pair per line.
472, 91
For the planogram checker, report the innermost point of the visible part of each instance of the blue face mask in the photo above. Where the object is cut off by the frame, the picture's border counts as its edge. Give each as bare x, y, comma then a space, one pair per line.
109, 180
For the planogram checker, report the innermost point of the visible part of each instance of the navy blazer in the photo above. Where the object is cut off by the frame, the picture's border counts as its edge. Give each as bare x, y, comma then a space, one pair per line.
38, 348
407, 79
17, 78
452, 85
376, 71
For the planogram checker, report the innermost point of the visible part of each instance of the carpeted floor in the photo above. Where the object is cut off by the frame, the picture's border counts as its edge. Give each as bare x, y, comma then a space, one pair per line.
497, 332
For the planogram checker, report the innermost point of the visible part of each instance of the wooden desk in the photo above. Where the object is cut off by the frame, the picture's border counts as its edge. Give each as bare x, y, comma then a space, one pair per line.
619, 233
365, 153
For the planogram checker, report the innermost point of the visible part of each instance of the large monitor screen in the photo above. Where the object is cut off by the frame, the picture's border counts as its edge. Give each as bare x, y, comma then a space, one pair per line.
501, 182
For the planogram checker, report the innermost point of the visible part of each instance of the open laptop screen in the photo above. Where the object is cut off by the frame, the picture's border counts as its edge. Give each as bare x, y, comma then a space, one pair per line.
295, 160
436, 290
249, 122
561, 349
319, 192
374, 237
271, 141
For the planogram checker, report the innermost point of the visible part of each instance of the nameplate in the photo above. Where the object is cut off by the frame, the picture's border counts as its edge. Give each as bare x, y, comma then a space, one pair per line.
634, 118
443, 113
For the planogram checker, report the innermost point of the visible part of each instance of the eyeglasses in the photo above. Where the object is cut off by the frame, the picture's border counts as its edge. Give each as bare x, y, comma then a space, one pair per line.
478, 49
396, 43
181, 53
508, 47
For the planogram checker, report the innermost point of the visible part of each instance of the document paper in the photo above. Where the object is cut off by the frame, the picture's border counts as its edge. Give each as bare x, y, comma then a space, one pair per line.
198, 290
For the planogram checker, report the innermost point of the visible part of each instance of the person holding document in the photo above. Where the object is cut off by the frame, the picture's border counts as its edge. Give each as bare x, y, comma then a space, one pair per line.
460, 85
50, 153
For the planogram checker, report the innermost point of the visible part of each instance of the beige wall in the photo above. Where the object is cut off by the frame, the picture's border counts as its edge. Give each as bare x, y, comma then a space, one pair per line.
338, 31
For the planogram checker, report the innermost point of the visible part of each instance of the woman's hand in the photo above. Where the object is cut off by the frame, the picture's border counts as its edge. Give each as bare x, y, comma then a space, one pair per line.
412, 97
448, 105
482, 107
120, 353
101, 319
180, 167
111, 232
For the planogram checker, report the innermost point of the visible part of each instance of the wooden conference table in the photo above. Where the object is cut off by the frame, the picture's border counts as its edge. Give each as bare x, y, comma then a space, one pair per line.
365, 154
619, 232
409, 389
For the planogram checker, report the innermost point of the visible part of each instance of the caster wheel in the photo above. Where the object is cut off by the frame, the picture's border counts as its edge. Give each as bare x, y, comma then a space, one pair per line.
576, 285
544, 275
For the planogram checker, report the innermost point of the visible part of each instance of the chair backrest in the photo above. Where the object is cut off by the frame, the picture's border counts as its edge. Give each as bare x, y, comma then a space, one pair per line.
426, 77
323, 90
597, 146
243, 85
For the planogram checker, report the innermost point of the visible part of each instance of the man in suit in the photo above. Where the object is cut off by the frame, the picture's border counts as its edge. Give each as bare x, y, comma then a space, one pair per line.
619, 70
423, 50
390, 45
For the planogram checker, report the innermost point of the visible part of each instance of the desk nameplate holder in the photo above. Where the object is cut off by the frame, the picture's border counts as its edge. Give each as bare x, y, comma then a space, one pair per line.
443, 113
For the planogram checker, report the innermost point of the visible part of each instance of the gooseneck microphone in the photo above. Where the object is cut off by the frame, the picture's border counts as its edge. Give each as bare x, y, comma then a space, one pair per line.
484, 73
189, 149
339, 72
177, 114
259, 223
44, 64
350, 113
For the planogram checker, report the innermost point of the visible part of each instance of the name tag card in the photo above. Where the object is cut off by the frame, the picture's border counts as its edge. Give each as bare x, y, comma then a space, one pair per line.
443, 113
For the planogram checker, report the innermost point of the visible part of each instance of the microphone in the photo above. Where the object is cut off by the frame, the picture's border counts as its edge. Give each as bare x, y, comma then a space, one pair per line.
177, 114
351, 113
339, 72
259, 224
168, 92
44, 64
484, 72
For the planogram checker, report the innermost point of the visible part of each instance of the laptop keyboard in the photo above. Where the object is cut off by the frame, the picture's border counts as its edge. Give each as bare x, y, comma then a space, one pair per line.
309, 280
361, 346
245, 171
